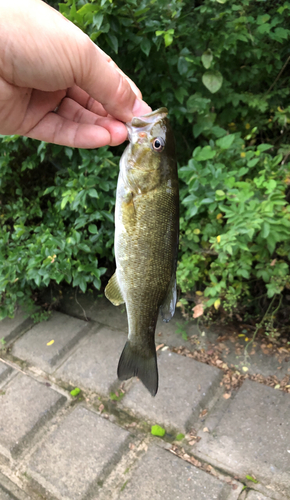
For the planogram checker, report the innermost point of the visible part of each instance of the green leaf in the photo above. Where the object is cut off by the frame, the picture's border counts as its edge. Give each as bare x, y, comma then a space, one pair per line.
48, 190
86, 8
37, 279
97, 20
95, 35
196, 103
75, 392
84, 247
265, 230
182, 65
212, 80
168, 39
113, 42
180, 93
244, 273
226, 141
204, 122
218, 131
203, 154
97, 283
80, 281
93, 229
264, 28
282, 33
271, 245
250, 478
207, 58
180, 437
253, 162
93, 193
197, 129
142, 11
263, 18
271, 185
68, 152
64, 202
156, 430
205, 201
145, 46
264, 147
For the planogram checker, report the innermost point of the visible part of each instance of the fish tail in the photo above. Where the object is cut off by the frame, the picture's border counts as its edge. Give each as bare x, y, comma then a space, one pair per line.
134, 363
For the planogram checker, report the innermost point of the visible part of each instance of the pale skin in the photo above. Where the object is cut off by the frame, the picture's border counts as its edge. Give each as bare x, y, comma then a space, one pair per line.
56, 85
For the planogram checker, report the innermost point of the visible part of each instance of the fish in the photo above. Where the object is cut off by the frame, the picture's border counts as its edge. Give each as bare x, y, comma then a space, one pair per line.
146, 241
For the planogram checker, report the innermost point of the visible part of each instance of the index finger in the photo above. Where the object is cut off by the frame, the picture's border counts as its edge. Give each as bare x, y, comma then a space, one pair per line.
133, 86
101, 78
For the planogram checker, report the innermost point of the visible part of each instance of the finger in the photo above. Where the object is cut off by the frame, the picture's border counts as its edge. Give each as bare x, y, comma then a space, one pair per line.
106, 84
58, 130
72, 111
131, 83
85, 100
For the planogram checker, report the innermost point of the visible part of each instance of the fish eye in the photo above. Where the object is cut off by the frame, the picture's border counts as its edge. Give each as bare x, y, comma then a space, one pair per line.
158, 144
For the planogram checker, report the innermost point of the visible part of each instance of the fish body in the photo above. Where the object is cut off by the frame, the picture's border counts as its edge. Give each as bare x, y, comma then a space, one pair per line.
146, 241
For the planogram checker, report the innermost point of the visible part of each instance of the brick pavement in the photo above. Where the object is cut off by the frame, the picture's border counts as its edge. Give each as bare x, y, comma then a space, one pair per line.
98, 445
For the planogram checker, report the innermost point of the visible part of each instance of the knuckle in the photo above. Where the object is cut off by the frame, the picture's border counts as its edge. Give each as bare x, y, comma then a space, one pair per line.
123, 92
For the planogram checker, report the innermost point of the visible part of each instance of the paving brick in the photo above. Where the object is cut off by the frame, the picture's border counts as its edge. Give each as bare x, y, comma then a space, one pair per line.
4, 495
94, 366
4, 371
75, 303
77, 455
252, 436
25, 406
161, 475
10, 329
99, 309
258, 362
63, 329
10, 491
104, 312
255, 495
185, 388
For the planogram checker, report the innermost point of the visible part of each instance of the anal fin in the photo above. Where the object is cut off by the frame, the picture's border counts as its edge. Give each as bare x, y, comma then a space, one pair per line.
113, 291
167, 309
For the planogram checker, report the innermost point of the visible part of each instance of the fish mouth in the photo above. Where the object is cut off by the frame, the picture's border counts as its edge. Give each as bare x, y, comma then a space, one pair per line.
145, 121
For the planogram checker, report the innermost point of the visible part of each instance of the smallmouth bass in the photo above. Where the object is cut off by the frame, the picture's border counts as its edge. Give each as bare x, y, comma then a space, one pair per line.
146, 241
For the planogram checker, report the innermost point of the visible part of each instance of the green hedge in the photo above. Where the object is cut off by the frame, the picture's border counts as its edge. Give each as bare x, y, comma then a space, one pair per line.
56, 217
222, 69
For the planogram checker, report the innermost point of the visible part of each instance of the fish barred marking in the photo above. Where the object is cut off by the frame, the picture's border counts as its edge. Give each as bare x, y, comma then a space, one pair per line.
146, 241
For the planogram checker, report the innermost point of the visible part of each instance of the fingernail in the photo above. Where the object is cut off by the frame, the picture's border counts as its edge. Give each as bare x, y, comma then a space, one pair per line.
140, 108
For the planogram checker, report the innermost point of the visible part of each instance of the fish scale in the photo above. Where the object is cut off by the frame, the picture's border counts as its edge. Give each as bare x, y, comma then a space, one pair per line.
146, 241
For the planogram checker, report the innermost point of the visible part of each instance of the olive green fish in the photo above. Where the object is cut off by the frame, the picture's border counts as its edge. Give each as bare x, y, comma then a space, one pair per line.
146, 241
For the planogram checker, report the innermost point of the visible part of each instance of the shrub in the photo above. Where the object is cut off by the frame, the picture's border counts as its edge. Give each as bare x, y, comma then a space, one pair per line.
56, 217
235, 230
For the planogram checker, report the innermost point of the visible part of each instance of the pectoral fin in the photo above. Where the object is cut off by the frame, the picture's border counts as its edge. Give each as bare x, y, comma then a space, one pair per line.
113, 291
168, 307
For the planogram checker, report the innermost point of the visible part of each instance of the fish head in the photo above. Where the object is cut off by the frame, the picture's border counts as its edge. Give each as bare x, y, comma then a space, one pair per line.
151, 141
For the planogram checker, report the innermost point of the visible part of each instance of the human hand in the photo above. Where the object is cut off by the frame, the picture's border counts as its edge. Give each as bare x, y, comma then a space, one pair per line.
47, 64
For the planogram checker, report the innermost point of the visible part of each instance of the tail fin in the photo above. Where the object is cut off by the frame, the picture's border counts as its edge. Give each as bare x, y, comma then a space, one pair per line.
132, 363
